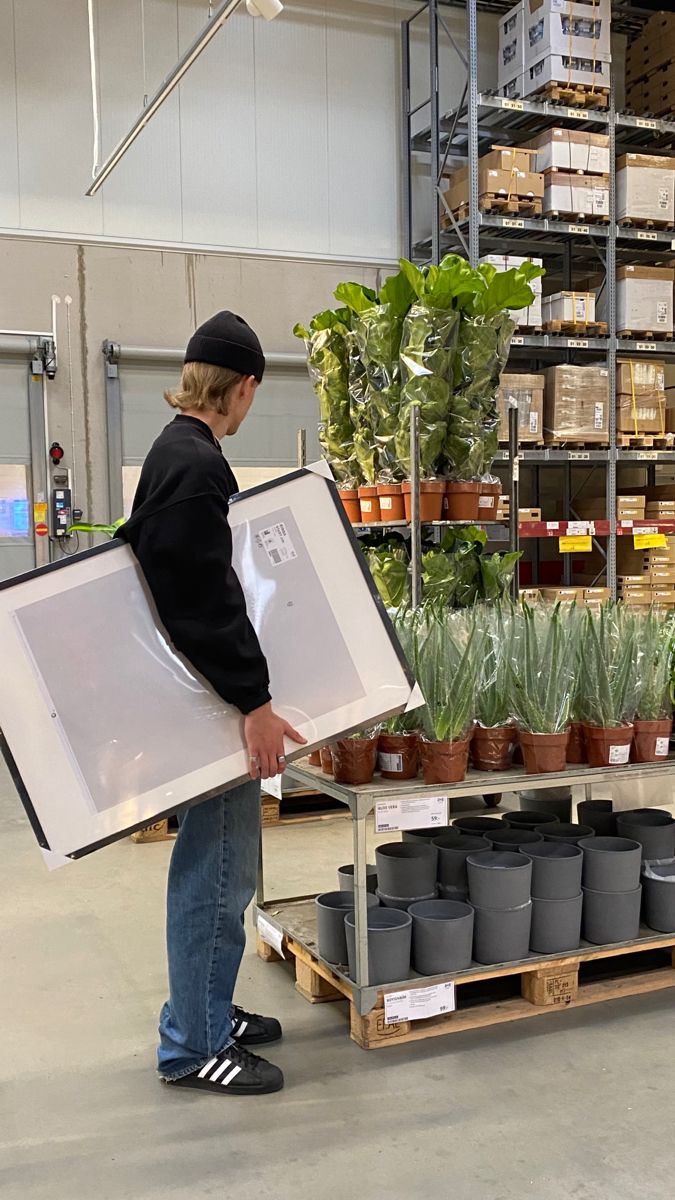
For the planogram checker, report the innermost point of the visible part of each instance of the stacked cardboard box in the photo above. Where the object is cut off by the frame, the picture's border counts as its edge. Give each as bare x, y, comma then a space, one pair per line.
531, 316
628, 508
554, 41
572, 150
650, 67
576, 196
640, 397
576, 402
645, 188
644, 300
505, 172
527, 392
571, 307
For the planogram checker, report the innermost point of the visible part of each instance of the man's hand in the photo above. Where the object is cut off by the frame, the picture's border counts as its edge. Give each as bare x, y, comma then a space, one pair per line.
264, 732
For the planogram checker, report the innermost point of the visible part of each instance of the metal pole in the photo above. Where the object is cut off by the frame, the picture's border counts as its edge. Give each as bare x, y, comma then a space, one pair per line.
406, 138
416, 527
612, 346
474, 214
113, 403
160, 354
360, 901
435, 140
260, 883
567, 501
302, 447
514, 491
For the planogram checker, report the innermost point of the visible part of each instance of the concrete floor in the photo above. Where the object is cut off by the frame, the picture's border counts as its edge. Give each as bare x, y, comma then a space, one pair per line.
577, 1106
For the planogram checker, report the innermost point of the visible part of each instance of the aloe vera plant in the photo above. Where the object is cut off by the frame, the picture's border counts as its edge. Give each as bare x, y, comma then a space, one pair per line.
656, 638
404, 623
541, 668
446, 646
610, 666
493, 697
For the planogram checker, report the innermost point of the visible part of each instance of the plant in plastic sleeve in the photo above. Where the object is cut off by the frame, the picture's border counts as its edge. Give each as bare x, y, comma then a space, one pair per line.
328, 365
493, 699
403, 621
611, 663
446, 663
655, 636
541, 668
390, 567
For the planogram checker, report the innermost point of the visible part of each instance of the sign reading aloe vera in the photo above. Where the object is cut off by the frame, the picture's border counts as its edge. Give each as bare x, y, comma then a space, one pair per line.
423, 812
417, 1003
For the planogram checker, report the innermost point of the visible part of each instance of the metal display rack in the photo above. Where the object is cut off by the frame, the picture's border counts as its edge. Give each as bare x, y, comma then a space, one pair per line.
480, 120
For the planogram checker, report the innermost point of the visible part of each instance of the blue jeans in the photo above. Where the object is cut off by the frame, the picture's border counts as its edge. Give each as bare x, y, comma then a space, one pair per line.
212, 879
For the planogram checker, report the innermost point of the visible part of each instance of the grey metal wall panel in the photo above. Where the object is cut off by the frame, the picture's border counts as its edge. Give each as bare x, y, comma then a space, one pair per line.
14, 423
9, 149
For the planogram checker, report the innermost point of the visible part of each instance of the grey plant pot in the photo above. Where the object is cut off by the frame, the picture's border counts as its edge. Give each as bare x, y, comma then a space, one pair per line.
452, 856
499, 879
461, 894
403, 902
389, 941
611, 916
442, 936
600, 815
406, 868
501, 935
611, 864
659, 896
556, 870
428, 835
346, 877
653, 828
552, 801
529, 819
477, 826
330, 923
512, 839
566, 831
556, 925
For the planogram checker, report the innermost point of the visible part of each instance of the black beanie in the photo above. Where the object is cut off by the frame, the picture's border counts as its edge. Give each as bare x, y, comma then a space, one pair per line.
227, 341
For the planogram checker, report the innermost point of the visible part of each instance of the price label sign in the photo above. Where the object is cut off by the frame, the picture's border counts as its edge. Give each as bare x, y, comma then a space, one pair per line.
645, 123
511, 223
270, 934
579, 528
576, 455
577, 114
649, 541
517, 105
422, 812
517, 341
577, 343
649, 455
417, 1003
647, 345
575, 545
646, 235
585, 229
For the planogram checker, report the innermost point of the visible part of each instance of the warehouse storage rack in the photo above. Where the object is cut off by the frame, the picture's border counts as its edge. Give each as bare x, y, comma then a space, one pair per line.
483, 119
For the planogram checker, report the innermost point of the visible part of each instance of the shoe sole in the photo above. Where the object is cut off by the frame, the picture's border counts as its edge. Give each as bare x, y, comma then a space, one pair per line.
203, 1085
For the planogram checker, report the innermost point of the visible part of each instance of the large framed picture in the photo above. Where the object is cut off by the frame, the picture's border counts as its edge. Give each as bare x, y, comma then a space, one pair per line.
106, 728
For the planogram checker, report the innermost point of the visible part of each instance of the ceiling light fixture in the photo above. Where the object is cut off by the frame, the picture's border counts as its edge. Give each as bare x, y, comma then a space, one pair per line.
265, 8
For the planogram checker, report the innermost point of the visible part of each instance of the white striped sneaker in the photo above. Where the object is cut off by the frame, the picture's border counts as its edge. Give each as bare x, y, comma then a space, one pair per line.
250, 1029
235, 1072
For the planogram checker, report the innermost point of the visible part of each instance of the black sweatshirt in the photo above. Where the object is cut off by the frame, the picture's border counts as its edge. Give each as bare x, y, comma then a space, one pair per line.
180, 534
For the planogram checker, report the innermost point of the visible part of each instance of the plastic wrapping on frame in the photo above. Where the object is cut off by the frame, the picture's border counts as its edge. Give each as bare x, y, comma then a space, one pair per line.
473, 424
428, 348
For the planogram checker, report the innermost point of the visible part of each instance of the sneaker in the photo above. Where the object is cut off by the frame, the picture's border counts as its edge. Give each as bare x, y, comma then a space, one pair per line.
250, 1029
234, 1072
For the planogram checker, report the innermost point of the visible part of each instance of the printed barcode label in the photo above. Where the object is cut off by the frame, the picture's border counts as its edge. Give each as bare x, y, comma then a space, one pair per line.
517, 341
646, 235
418, 1003
534, 422
277, 544
662, 312
577, 343
645, 345
662, 744
390, 762
418, 813
511, 223
580, 229
664, 198
645, 123
599, 420
577, 114
574, 455
618, 755
516, 104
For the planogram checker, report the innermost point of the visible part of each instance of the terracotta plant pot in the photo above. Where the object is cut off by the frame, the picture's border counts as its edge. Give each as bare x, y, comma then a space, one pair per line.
607, 747
431, 499
444, 762
392, 507
352, 505
576, 747
326, 755
354, 759
491, 748
370, 505
314, 759
462, 500
488, 499
398, 755
650, 740
543, 752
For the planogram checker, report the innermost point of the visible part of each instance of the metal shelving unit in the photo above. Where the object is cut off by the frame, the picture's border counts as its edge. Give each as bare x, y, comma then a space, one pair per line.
483, 119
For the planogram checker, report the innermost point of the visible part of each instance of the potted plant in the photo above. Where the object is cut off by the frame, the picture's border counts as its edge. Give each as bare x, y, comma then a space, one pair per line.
609, 683
576, 746
445, 661
355, 757
389, 565
494, 732
398, 754
654, 715
540, 672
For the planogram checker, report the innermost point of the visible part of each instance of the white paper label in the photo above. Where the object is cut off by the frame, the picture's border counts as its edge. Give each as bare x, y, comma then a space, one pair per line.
553, 526
645, 123
600, 200
418, 1003
366, 506
618, 755
390, 762
422, 813
662, 312
580, 308
646, 345
662, 747
646, 235
534, 422
277, 543
517, 341
270, 934
577, 114
485, 501
511, 223
580, 229
664, 198
272, 786
577, 343
577, 528
516, 104
599, 420
573, 455
386, 502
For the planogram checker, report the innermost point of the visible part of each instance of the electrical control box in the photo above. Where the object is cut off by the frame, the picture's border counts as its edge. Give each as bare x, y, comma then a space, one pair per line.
62, 508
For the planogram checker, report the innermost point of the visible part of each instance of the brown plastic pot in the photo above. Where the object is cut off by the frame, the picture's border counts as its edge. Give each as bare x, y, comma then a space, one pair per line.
488, 499
461, 502
326, 755
543, 752
314, 759
354, 759
370, 504
444, 762
431, 499
650, 740
576, 746
392, 507
398, 755
607, 747
491, 747
351, 503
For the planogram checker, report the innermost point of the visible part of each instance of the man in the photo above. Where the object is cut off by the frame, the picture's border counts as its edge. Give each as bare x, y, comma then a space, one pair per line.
180, 534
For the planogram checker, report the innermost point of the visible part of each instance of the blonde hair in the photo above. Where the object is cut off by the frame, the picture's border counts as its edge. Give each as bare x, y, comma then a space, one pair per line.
204, 386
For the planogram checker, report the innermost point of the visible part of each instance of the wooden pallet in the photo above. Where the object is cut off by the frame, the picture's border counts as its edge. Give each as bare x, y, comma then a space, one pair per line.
503, 993
523, 206
646, 441
299, 807
643, 223
577, 328
646, 335
573, 95
529, 329
575, 443
559, 214
161, 831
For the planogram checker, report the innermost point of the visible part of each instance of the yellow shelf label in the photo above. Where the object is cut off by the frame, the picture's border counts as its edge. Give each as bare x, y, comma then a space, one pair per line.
649, 541
575, 545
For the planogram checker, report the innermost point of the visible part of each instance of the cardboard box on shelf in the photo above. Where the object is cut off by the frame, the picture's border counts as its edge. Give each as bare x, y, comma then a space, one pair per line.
530, 595
654, 47
519, 159
511, 51
664, 596
572, 150
504, 262
645, 188
597, 595
528, 393
635, 376
576, 402
562, 594
578, 29
514, 89
569, 306
641, 414
567, 71
494, 181
594, 508
580, 195
658, 576
644, 299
